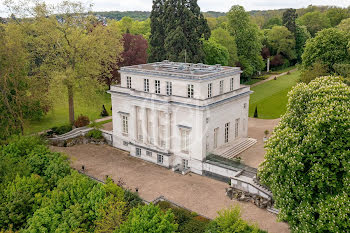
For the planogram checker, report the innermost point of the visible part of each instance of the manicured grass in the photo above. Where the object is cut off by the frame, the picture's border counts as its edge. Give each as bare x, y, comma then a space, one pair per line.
59, 114
271, 97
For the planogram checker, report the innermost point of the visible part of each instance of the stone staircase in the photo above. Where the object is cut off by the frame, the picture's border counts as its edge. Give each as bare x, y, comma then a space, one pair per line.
231, 150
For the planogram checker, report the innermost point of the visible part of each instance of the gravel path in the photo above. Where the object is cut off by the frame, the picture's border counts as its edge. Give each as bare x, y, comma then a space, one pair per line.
272, 77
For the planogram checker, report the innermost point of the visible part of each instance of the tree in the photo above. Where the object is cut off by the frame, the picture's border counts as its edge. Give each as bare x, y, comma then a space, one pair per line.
19, 201
148, 218
281, 41
328, 47
344, 25
274, 21
314, 21
301, 36
184, 26
223, 37
336, 15
157, 38
72, 50
306, 163
229, 220
316, 70
19, 99
288, 20
248, 41
256, 112
215, 53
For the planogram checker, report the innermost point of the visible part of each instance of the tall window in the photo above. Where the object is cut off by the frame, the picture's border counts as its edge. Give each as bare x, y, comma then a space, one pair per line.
190, 90
185, 141
221, 86
146, 85
227, 128
236, 128
231, 84
128, 82
210, 86
169, 88
125, 125
157, 86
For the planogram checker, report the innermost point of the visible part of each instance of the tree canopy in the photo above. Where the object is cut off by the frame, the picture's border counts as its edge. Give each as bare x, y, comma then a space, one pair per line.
177, 28
215, 53
281, 41
330, 46
223, 37
314, 21
307, 161
248, 40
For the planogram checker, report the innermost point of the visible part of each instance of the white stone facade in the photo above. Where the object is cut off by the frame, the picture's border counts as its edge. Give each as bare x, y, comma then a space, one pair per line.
174, 114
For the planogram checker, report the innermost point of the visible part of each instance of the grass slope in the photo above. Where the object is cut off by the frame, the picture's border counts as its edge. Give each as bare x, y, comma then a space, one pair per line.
271, 97
59, 114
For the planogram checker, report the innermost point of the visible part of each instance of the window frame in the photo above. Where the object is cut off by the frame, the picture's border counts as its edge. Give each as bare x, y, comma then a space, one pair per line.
138, 152
169, 88
125, 124
160, 159
231, 84
210, 90
128, 82
227, 129
221, 90
190, 91
157, 86
185, 141
146, 85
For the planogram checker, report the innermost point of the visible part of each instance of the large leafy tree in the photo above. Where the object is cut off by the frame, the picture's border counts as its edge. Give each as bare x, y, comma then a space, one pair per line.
20, 100
71, 50
314, 21
344, 25
148, 218
328, 47
223, 37
288, 20
215, 53
307, 161
248, 40
177, 27
281, 41
337, 14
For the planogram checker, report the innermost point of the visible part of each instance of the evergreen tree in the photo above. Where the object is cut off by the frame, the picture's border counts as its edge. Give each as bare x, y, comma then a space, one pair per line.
288, 19
184, 26
157, 52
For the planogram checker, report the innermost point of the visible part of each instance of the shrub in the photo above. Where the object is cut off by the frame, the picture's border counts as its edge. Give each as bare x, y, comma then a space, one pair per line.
277, 60
256, 112
81, 121
61, 129
104, 112
96, 134
132, 200
193, 226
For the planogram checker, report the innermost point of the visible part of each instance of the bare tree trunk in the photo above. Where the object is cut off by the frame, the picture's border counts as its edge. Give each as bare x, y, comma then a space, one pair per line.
71, 104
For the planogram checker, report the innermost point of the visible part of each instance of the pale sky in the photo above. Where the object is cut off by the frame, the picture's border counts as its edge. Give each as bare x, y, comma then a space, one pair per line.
206, 5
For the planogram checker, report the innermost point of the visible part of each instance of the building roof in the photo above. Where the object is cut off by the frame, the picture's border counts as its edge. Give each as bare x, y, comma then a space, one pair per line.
179, 69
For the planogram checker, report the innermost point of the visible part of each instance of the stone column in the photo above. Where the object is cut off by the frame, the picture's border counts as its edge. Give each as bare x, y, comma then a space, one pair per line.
145, 125
134, 120
167, 131
156, 127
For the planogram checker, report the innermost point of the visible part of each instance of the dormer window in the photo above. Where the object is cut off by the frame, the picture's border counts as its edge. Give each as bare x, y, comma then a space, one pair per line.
128, 82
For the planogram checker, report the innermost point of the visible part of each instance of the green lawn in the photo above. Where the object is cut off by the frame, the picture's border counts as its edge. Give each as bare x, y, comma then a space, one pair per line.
271, 97
59, 114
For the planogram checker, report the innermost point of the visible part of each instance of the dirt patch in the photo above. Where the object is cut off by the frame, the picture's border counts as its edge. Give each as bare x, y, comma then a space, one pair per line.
200, 194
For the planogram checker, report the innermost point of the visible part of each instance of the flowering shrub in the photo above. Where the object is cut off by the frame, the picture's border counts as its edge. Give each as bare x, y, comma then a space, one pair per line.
307, 164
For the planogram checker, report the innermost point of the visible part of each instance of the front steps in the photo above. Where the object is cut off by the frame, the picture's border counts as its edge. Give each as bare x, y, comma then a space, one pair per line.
232, 149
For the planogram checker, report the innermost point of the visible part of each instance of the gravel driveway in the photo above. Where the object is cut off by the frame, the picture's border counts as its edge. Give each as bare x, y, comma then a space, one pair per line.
200, 194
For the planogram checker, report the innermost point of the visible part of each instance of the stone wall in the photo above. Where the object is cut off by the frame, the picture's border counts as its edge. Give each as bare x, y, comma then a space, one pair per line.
257, 200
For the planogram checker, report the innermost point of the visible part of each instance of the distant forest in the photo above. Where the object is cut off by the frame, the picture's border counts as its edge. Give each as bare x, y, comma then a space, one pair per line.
143, 15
